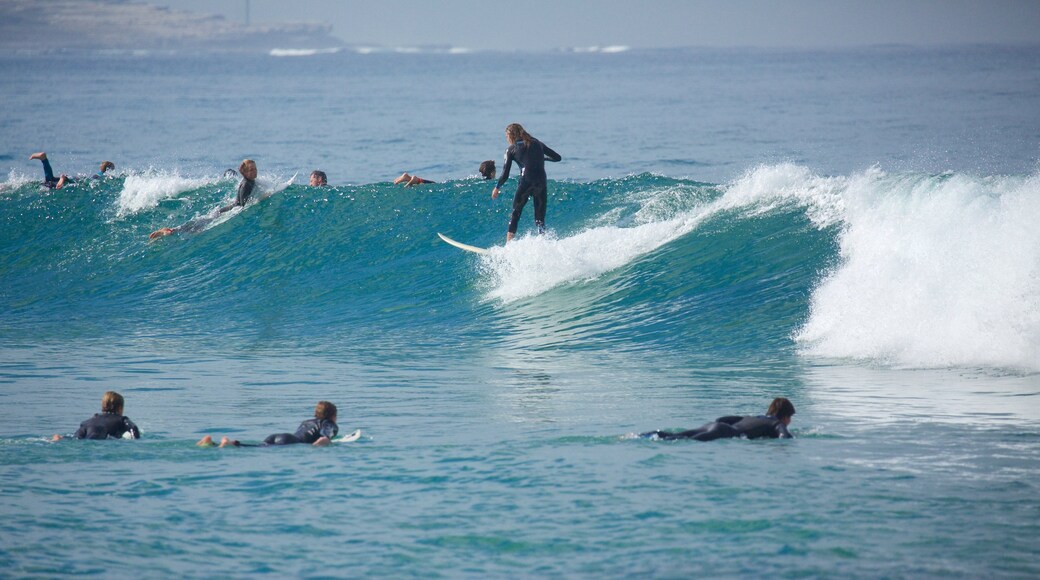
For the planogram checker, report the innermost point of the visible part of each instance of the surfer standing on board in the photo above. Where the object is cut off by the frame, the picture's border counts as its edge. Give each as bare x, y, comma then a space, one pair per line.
245, 189
530, 154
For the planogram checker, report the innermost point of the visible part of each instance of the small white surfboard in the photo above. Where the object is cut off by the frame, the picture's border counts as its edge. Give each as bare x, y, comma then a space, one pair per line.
462, 246
348, 437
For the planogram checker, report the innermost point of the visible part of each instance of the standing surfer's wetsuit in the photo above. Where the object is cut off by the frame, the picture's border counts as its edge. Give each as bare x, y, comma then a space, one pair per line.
731, 426
533, 182
308, 432
105, 425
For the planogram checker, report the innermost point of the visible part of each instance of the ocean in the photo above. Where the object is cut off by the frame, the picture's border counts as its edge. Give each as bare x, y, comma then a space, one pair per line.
852, 229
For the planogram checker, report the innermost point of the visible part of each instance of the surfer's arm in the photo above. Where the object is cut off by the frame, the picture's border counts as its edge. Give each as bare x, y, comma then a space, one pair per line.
131, 428
550, 155
322, 441
508, 163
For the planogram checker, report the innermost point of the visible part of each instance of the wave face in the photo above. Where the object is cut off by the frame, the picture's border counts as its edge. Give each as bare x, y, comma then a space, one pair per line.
908, 270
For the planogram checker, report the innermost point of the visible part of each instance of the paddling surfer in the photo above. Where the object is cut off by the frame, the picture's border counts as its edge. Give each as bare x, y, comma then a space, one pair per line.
318, 431
245, 189
771, 425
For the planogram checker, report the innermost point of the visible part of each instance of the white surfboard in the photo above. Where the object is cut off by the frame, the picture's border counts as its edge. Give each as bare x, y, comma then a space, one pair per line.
277, 188
462, 246
348, 437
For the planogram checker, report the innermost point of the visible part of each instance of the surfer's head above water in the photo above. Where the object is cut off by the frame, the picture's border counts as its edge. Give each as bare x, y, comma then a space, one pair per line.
248, 169
325, 410
782, 409
487, 169
112, 402
318, 178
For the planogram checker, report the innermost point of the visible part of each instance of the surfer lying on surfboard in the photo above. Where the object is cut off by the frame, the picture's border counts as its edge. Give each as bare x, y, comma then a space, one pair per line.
771, 425
319, 431
245, 189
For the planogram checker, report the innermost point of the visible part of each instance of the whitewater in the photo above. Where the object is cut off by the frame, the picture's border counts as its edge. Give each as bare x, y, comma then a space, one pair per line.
725, 227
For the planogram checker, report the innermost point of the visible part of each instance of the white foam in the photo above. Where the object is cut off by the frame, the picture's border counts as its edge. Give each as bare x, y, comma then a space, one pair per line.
612, 49
14, 181
145, 191
283, 52
936, 271
531, 265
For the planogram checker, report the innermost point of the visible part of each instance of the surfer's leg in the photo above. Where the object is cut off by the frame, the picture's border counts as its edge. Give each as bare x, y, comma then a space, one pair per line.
717, 431
519, 201
688, 434
48, 173
281, 439
206, 441
539, 195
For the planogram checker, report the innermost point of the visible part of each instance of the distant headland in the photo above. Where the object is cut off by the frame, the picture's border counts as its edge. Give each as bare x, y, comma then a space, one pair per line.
72, 25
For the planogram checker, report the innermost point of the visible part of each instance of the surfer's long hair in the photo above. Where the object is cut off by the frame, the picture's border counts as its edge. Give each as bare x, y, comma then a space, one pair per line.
781, 408
515, 132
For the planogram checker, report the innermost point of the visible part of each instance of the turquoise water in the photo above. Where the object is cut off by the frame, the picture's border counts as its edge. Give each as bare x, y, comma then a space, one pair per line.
884, 277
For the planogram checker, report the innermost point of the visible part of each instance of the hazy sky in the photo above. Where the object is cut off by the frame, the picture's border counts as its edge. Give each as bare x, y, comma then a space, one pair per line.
548, 24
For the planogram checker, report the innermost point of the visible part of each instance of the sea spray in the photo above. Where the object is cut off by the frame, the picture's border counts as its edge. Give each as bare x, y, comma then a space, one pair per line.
146, 190
936, 270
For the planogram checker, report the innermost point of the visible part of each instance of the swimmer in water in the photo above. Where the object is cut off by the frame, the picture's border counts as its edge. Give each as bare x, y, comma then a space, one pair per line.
318, 431
318, 178
110, 423
105, 167
245, 189
487, 169
771, 425
49, 181
530, 154
410, 180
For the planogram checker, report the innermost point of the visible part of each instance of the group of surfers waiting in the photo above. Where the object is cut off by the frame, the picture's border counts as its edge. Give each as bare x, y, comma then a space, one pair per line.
528, 153
320, 430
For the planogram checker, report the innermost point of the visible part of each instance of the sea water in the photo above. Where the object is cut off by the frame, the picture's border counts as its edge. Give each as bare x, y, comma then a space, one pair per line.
854, 230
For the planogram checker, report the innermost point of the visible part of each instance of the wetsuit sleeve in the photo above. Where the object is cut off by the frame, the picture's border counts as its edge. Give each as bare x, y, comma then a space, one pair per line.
129, 425
505, 168
81, 433
782, 432
550, 155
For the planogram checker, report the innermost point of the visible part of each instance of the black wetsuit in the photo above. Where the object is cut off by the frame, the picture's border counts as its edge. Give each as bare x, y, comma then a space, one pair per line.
49, 181
533, 183
245, 189
105, 425
308, 432
731, 426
